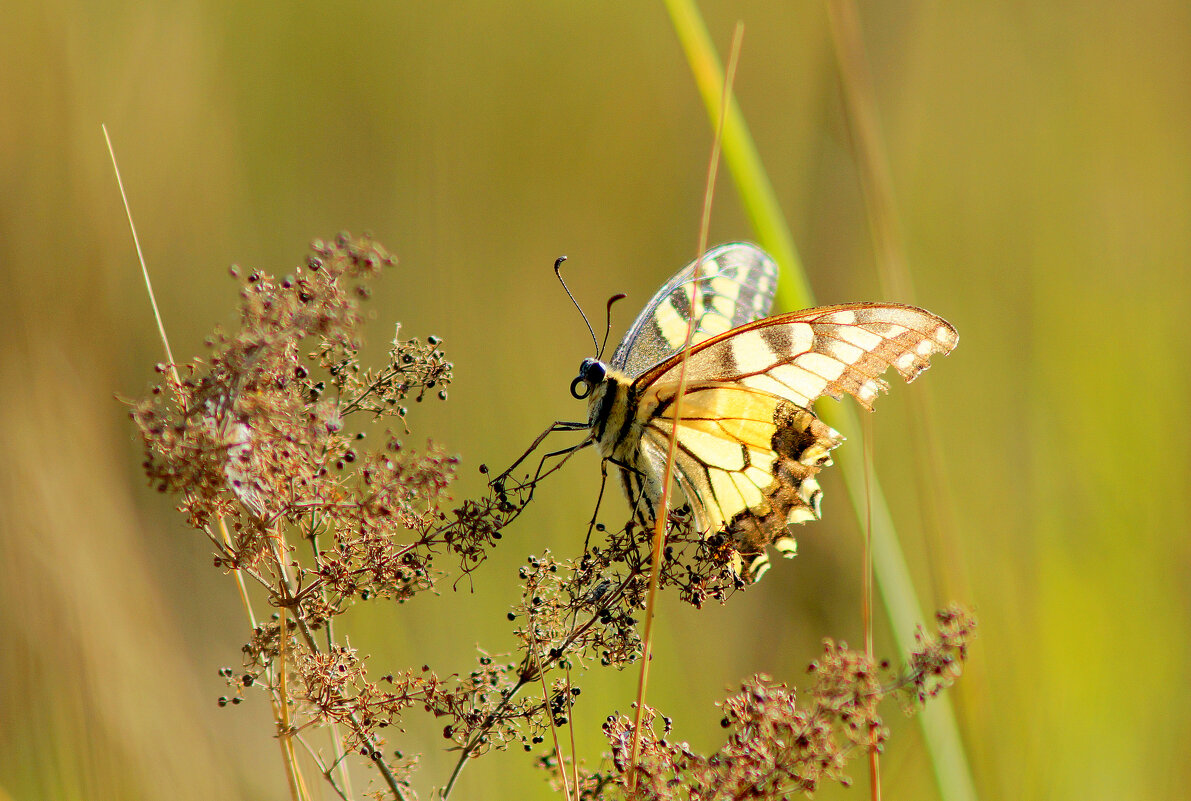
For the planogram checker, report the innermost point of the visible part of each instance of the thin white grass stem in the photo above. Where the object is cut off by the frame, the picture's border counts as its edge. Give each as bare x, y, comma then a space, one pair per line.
136, 240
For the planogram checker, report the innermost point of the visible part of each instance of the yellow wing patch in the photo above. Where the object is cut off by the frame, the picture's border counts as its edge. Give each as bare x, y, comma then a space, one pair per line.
746, 461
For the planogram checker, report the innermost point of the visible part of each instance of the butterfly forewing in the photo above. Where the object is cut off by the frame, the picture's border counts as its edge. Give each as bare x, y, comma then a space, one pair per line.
805, 355
735, 286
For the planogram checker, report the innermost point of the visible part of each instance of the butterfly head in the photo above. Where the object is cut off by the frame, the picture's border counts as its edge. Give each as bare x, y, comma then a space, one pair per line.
609, 408
591, 375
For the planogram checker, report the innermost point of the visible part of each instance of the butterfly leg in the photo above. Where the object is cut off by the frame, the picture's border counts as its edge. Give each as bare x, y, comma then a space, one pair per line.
638, 511
541, 473
599, 500
635, 484
555, 427
528, 486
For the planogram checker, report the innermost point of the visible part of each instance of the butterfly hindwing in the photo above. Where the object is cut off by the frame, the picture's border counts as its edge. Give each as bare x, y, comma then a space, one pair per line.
736, 286
746, 461
748, 443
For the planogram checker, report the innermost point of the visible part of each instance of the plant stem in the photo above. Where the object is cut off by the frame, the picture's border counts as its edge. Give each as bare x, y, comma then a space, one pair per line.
937, 719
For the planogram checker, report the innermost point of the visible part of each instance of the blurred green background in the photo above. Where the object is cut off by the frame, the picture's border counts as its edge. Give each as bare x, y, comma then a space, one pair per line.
1041, 159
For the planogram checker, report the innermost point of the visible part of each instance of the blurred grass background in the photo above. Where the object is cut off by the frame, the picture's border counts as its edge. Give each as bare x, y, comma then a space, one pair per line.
1041, 158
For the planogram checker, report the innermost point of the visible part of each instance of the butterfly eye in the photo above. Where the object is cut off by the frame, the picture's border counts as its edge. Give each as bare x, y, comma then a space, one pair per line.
591, 372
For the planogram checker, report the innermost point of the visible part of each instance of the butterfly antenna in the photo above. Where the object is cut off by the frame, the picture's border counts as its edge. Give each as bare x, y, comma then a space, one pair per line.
557, 272
608, 317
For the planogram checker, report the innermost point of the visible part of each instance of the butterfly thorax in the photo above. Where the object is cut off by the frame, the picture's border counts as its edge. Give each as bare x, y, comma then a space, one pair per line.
612, 410
618, 412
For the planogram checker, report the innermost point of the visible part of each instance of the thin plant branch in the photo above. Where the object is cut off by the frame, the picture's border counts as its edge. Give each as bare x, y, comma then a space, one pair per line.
661, 515
566, 785
866, 614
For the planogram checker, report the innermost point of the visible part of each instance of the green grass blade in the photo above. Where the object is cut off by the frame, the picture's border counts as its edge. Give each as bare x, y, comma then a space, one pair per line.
939, 727
937, 718
740, 154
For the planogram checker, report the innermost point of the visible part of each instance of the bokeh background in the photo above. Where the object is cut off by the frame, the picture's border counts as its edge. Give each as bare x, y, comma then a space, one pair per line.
1041, 162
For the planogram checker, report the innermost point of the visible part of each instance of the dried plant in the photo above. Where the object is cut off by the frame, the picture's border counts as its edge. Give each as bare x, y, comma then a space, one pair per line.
777, 743
263, 440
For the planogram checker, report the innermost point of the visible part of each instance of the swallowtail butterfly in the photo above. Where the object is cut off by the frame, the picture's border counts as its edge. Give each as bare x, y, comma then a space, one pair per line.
748, 444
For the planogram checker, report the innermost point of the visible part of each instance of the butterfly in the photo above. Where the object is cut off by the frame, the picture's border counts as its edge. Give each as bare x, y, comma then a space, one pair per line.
748, 444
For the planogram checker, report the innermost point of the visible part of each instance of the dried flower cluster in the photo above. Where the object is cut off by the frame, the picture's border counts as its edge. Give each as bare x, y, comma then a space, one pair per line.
938, 660
257, 440
778, 743
265, 442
